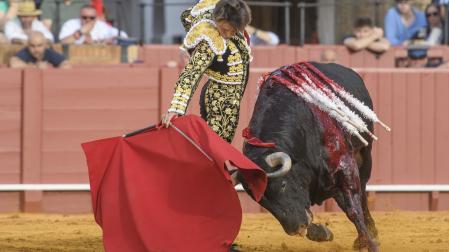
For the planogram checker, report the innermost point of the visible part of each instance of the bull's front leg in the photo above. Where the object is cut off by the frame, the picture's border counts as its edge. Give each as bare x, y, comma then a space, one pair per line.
365, 173
351, 202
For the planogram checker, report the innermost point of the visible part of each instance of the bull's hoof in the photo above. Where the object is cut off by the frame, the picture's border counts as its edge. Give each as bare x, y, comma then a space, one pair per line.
371, 246
374, 243
371, 249
319, 233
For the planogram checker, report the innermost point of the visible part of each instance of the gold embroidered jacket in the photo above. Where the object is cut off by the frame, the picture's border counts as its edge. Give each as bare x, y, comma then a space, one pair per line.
223, 61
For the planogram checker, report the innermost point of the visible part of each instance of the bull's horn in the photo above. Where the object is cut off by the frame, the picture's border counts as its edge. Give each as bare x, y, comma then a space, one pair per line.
279, 158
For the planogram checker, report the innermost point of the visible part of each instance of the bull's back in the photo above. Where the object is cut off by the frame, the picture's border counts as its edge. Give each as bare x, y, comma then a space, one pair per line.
348, 78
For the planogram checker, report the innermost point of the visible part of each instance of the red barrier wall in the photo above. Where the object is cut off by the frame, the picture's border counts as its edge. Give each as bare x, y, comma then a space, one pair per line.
160, 55
62, 109
415, 105
10, 134
276, 56
45, 115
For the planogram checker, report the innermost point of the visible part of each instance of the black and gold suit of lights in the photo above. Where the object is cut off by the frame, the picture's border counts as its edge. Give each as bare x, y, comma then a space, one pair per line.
225, 62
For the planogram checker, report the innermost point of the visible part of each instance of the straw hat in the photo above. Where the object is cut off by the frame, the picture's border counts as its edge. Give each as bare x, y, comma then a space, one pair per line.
27, 8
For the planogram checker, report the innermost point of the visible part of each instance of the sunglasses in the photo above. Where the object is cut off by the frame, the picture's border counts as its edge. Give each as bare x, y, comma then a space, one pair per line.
88, 17
432, 14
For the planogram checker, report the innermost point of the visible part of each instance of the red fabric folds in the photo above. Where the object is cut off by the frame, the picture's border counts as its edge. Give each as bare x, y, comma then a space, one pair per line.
157, 192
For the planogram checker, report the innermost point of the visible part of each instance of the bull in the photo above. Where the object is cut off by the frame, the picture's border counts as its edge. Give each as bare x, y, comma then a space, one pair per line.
305, 160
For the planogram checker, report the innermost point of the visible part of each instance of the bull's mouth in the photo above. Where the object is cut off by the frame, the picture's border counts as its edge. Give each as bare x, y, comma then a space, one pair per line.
299, 230
302, 231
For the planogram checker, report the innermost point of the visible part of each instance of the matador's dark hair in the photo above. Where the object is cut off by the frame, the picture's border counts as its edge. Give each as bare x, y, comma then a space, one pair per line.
236, 12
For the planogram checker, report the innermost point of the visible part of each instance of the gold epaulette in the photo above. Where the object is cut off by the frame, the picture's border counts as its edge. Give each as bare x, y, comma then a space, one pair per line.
203, 6
206, 30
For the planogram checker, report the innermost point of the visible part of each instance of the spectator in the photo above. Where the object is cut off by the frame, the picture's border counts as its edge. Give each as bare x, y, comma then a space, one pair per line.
402, 22
259, 37
8, 10
17, 30
68, 9
433, 33
328, 56
88, 29
366, 36
37, 54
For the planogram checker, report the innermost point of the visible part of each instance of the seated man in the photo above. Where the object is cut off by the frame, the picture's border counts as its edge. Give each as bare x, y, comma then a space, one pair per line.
366, 36
88, 29
18, 30
37, 54
55, 13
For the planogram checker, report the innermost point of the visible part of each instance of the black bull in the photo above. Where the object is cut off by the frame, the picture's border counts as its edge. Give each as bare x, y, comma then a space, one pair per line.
282, 117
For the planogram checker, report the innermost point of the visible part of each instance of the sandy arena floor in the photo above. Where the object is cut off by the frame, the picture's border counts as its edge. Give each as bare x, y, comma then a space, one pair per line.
399, 231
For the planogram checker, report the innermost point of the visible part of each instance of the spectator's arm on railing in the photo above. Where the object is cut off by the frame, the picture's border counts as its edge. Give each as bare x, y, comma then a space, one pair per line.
65, 65
380, 45
357, 44
15, 62
70, 39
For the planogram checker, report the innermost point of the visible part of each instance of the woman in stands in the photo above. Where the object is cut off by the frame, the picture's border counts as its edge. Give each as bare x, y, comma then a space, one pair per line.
434, 32
218, 47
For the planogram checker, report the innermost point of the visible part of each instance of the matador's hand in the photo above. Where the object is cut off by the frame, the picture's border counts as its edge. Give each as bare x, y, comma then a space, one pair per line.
167, 117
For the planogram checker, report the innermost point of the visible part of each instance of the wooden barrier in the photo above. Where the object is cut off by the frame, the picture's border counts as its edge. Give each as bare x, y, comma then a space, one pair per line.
273, 56
161, 55
63, 108
94, 54
45, 115
263, 56
10, 135
346, 57
415, 105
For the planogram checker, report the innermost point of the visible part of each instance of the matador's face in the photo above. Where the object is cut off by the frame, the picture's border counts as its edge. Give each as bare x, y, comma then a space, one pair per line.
226, 29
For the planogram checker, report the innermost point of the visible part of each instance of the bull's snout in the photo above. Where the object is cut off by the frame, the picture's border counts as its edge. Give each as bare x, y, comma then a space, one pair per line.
302, 229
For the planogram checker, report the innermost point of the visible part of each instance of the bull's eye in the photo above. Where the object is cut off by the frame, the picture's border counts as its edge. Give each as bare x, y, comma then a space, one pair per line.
283, 186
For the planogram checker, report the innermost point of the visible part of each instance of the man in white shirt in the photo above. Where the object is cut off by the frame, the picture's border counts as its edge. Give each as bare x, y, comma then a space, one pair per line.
88, 29
18, 30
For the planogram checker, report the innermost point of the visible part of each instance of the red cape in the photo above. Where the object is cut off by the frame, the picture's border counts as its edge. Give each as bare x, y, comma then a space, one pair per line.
157, 192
